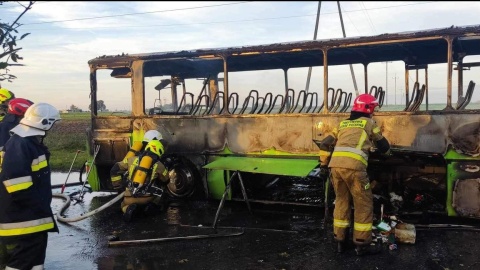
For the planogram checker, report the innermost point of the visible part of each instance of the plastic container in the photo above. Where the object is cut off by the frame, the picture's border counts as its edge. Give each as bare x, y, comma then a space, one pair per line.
405, 233
384, 227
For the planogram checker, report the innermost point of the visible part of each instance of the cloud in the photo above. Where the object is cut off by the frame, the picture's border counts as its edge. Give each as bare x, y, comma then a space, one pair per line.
56, 53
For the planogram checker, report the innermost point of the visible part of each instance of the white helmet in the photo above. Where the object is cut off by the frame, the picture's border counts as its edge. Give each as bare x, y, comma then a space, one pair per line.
38, 118
151, 135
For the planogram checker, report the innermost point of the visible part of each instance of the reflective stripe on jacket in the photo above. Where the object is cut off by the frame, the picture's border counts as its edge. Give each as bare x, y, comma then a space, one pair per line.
25, 192
355, 138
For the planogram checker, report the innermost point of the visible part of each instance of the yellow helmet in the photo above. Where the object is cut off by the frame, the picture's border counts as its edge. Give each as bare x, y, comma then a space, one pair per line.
5, 95
156, 147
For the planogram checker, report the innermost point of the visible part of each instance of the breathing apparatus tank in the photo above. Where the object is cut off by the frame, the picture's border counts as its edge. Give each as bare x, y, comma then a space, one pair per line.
143, 168
136, 147
139, 145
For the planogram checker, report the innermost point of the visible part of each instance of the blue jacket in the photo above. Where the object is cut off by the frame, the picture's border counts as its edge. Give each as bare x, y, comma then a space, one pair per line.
25, 192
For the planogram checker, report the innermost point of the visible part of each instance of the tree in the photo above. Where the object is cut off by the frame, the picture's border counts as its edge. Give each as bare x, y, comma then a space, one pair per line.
8, 41
74, 108
100, 106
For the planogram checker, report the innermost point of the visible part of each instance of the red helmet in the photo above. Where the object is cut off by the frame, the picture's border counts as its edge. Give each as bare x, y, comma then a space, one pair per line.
19, 106
364, 103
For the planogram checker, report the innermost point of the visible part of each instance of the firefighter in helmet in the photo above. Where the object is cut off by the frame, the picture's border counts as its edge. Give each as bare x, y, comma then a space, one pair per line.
146, 180
16, 110
5, 97
138, 146
26, 192
348, 162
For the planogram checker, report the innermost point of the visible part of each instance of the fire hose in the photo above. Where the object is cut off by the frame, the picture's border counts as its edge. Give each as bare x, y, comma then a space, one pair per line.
83, 216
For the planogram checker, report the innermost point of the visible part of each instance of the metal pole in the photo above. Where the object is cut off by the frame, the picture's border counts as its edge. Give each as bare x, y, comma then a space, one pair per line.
314, 38
426, 88
395, 88
69, 171
156, 240
365, 76
344, 35
286, 101
449, 73
222, 201
325, 80
407, 85
244, 192
225, 84
386, 82
95, 153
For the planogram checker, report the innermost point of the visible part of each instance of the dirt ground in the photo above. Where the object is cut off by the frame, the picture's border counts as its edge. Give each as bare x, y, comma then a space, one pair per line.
272, 238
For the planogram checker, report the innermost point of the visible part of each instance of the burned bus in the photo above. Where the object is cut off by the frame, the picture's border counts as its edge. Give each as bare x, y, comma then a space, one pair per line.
235, 111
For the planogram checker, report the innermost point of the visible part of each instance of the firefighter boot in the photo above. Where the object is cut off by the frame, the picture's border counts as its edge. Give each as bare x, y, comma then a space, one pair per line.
346, 243
340, 247
343, 244
371, 249
129, 212
153, 208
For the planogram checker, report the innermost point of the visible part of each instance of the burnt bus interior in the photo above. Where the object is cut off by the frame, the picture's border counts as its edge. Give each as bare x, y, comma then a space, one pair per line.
434, 163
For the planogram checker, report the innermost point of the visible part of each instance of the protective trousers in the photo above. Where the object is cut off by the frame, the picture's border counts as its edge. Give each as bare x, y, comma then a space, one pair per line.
140, 200
26, 251
352, 185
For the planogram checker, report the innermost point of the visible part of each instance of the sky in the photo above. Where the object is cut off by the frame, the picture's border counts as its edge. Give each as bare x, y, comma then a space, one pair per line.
65, 35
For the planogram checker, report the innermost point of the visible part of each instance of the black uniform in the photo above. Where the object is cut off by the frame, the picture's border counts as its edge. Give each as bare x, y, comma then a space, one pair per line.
25, 198
8, 122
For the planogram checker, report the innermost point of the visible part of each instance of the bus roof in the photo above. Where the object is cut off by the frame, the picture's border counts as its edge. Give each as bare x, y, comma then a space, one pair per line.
414, 48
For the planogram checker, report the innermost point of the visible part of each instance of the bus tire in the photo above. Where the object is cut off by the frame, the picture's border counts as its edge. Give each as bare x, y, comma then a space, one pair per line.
186, 181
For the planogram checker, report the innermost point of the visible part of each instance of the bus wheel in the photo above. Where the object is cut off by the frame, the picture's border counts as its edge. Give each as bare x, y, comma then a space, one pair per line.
182, 180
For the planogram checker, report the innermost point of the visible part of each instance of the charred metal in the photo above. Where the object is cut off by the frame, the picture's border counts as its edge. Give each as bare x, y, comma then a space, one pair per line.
434, 164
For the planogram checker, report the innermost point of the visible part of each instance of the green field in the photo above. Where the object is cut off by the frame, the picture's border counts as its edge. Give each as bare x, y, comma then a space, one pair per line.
65, 138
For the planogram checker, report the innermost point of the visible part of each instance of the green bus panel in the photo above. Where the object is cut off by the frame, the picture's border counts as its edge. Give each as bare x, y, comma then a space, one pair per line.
276, 166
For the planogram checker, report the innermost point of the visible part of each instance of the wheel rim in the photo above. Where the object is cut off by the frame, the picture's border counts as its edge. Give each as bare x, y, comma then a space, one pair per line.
182, 182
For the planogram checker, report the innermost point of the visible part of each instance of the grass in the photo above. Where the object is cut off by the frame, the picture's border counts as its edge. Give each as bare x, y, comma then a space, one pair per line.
65, 138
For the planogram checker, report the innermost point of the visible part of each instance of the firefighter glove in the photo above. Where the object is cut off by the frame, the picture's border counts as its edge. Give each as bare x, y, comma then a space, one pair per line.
324, 172
172, 174
116, 181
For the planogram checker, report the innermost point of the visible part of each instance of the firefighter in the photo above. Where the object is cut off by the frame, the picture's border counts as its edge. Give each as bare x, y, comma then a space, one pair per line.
348, 162
137, 147
146, 180
26, 191
16, 110
5, 97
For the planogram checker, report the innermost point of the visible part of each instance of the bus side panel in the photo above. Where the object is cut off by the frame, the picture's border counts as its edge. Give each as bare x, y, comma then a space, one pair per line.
112, 136
463, 184
293, 134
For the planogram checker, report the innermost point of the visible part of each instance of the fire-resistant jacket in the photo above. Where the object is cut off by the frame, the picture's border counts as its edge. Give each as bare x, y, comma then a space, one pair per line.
354, 140
120, 167
25, 192
158, 170
8, 122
